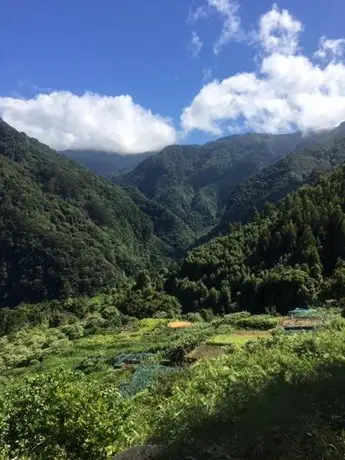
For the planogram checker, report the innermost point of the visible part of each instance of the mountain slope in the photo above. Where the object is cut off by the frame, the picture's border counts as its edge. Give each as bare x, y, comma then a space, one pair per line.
288, 256
194, 181
285, 175
106, 164
63, 230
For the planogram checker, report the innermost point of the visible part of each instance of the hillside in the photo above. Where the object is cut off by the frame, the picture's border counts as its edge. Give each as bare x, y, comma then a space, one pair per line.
284, 176
173, 233
64, 231
104, 163
289, 255
194, 181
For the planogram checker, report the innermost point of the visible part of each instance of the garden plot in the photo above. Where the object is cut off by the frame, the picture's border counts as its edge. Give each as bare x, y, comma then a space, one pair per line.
237, 337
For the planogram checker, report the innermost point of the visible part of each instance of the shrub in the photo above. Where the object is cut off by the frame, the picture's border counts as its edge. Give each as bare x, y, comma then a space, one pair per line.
91, 364
160, 314
207, 314
112, 316
261, 322
233, 317
73, 331
63, 415
193, 317
94, 323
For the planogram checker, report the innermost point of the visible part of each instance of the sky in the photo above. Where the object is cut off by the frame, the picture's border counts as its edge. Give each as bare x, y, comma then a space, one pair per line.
130, 76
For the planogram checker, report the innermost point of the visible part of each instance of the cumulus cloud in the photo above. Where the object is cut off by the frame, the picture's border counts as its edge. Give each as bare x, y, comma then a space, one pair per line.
288, 91
64, 120
196, 44
279, 32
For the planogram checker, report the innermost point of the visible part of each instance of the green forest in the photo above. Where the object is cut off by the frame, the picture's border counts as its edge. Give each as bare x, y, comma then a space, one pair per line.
193, 307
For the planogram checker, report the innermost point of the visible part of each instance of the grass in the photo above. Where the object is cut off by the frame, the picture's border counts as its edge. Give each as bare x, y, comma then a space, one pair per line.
237, 338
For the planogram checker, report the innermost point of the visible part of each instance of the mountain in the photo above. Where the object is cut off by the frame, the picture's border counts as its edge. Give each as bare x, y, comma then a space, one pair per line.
64, 231
194, 182
285, 175
104, 163
173, 233
289, 255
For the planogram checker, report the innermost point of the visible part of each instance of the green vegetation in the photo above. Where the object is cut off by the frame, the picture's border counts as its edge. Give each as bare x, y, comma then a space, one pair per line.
71, 401
91, 361
290, 255
63, 231
188, 188
234, 339
193, 182
284, 176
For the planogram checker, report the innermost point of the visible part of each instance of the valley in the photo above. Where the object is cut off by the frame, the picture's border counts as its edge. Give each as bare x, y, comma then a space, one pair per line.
113, 334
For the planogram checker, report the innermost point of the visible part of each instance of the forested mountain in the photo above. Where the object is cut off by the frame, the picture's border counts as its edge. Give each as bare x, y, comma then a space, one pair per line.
104, 163
194, 181
64, 231
289, 255
173, 232
285, 175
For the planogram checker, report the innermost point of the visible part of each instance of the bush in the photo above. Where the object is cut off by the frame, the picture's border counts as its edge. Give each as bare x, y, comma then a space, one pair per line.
225, 329
160, 314
94, 323
245, 320
91, 364
233, 317
207, 314
73, 331
261, 322
277, 331
112, 316
63, 415
193, 317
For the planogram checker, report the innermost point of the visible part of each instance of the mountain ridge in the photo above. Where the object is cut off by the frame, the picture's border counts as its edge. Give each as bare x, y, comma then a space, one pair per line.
285, 175
106, 164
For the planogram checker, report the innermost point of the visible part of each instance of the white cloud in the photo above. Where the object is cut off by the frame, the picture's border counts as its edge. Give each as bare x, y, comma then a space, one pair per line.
279, 32
64, 120
288, 91
330, 49
196, 44
228, 12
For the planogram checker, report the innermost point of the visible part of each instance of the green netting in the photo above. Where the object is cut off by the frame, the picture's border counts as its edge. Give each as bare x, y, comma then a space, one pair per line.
305, 313
131, 358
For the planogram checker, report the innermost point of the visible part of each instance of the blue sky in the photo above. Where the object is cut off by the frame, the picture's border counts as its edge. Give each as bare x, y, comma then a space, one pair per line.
54, 52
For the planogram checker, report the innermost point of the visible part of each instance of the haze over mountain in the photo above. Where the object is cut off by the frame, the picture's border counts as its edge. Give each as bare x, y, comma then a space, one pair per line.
105, 163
